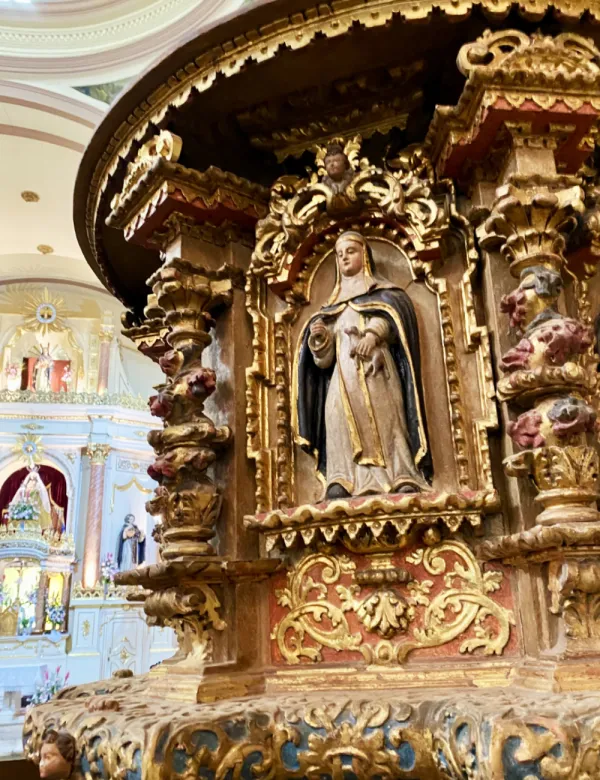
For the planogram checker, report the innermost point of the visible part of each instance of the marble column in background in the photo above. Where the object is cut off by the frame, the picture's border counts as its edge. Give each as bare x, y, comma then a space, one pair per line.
106, 336
97, 453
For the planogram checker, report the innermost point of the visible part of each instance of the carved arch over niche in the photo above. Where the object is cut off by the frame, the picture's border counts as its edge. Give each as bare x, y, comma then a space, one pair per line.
416, 221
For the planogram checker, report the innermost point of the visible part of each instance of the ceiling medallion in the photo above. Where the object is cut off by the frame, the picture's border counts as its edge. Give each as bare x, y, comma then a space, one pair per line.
29, 196
45, 249
29, 448
42, 313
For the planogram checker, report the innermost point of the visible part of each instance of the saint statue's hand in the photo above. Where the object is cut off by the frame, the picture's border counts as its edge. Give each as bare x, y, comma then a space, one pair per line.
318, 331
366, 346
377, 364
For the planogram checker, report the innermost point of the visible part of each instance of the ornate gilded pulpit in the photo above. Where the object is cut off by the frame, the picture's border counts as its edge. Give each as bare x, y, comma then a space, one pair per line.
361, 241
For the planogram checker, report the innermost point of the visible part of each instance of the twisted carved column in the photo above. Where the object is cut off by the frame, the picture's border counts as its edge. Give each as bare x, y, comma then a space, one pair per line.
97, 453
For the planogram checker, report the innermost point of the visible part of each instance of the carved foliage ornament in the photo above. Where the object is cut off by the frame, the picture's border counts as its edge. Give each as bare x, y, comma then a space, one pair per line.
420, 614
505, 733
301, 207
508, 54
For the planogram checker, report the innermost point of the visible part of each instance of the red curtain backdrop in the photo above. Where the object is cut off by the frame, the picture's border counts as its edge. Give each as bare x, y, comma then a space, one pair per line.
51, 477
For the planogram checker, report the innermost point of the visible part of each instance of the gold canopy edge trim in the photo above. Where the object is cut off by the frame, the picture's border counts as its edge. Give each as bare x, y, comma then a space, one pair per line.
295, 31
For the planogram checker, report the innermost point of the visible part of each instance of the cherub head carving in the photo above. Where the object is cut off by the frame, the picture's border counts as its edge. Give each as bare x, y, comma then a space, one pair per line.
57, 755
336, 162
339, 170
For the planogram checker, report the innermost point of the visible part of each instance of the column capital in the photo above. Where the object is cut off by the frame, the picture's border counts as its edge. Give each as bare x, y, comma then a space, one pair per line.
106, 334
97, 453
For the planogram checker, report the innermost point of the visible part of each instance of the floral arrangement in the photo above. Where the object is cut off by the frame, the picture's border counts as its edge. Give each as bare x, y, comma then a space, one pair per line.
108, 569
49, 686
31, 597
12, 370
55, 613
5, 600
23, 511
25, 624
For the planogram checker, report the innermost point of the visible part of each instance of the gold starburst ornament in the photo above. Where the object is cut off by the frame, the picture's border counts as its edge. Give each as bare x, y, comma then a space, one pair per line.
29, 448
43, 313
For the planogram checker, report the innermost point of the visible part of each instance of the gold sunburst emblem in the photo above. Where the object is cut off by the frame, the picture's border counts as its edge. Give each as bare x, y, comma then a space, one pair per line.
42, 313
29, 448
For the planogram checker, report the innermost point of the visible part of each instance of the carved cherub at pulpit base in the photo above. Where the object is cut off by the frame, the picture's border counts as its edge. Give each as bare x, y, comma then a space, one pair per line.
57, 755
360, 402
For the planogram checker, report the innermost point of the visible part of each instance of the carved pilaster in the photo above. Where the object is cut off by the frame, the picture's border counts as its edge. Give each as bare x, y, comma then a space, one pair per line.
575, 588
534, 199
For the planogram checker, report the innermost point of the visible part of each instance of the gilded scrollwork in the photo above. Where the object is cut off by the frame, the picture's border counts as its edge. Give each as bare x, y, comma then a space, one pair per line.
456, 604
509, 733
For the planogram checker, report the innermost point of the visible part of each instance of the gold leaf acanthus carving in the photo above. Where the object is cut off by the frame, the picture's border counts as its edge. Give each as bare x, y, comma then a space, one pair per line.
383, 734
318, 606
302, 208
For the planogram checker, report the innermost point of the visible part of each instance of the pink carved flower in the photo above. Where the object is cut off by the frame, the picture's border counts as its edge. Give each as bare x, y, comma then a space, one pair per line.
513, 304
203, 459
517, 357
153, 473
571, 417
564, 338
170, 362
525, 431
160, 405
201, 382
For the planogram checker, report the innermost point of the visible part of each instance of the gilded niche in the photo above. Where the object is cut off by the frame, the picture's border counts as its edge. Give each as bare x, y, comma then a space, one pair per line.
366, 341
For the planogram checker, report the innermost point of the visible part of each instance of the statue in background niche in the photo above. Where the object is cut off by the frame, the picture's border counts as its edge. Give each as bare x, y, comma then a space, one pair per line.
42, 371
131, 546
360, 401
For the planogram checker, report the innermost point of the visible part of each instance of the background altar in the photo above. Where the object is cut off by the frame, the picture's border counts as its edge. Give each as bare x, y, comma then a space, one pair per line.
89, 446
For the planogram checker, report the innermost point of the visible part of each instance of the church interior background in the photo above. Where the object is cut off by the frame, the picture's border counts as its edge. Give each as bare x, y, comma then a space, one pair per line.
299, 397
73, 390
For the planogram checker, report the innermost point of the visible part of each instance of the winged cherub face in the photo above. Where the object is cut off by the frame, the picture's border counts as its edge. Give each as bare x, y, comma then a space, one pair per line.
336, 165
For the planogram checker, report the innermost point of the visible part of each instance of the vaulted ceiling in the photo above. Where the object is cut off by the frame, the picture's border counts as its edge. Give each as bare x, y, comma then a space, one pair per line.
55, 56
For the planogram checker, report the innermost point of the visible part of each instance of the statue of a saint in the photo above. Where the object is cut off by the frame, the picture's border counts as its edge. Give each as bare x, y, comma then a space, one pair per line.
42, 371
360, 400
66, 379
131, 546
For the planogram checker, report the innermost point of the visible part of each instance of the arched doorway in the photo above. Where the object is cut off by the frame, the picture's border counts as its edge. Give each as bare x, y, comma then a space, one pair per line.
52, 478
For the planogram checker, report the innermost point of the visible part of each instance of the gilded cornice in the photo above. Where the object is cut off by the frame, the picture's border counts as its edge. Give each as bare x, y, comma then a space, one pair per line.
508, 70
294, 31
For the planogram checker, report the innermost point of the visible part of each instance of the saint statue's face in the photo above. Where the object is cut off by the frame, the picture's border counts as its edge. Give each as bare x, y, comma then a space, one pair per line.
349, 256
336, 165
52, 765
